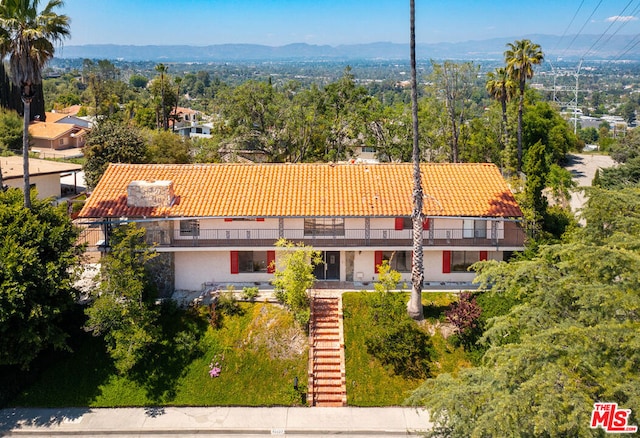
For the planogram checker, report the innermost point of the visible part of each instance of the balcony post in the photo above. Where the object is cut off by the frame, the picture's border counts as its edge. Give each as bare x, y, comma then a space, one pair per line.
367, 231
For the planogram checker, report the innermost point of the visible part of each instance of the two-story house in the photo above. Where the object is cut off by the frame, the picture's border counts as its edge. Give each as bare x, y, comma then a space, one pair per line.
217, 223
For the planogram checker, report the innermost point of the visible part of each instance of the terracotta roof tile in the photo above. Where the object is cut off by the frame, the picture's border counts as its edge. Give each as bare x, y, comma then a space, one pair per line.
297, 190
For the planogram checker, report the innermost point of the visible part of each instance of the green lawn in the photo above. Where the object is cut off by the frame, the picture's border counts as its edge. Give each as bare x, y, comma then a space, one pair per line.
369, 383
263, 352
257, 370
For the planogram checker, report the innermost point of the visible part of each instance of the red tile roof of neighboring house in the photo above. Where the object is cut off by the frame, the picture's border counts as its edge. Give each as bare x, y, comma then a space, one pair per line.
307, 190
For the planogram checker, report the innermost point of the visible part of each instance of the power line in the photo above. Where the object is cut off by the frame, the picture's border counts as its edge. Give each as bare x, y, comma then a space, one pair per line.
582, 28
568, 27
607, 29
622, 24
637, 37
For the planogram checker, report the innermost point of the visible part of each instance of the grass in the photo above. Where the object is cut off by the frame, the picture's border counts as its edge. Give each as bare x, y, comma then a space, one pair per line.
257, 370
369, 383
263, 352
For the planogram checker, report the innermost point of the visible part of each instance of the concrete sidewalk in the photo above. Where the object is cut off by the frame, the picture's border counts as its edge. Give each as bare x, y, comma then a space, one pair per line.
214, 421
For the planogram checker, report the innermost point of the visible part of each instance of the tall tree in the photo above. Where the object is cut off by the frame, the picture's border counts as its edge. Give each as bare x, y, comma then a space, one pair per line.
162, 69
414, 307
572, 340
454, 84
520, 58
37, 255
27, 36
501, 87
123, 309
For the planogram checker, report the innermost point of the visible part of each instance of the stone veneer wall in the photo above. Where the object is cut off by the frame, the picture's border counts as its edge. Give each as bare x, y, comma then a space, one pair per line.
162, 271
150, 194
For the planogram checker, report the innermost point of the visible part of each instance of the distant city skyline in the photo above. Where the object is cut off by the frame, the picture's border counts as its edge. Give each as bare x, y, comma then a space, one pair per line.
336, 22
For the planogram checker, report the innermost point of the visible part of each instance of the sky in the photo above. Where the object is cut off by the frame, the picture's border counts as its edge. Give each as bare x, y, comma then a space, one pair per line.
336, 22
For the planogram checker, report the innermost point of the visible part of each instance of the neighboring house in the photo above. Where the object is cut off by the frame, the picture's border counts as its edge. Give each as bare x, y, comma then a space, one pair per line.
43, 175
195, 130
217, 223
189, 123
59, 131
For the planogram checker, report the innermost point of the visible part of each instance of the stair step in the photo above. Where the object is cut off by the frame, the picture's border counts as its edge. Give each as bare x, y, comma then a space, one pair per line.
326, 343
322, 383
327, 368
326, 375
330, 397
327, 356
326, 332
325, 324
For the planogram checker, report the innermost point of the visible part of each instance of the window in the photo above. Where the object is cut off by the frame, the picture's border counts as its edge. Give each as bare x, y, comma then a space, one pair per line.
190, 227
398, 260
61, 141
252, 261
406, 223
474, 228
461, 260
324, 227
369, 149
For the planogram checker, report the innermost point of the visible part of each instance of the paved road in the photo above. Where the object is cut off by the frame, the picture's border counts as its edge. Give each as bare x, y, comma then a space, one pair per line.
215, 421
583, 167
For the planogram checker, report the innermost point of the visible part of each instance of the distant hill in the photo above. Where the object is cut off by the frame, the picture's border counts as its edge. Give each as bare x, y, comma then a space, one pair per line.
617, 47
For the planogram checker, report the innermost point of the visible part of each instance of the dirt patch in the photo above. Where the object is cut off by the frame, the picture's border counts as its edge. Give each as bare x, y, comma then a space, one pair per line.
446, 329
273, 330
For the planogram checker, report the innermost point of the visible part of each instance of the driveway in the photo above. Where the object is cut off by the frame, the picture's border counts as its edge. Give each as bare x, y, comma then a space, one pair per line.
583, 168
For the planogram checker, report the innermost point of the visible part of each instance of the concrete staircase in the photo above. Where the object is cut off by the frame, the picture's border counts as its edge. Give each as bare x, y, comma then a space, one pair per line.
327, 383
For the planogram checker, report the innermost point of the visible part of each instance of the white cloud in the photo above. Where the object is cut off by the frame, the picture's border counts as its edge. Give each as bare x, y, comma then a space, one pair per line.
621, 18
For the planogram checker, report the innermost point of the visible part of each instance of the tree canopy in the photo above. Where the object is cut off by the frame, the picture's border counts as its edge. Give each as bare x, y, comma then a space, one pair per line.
37, 254
573, 340
112, 142
122, 310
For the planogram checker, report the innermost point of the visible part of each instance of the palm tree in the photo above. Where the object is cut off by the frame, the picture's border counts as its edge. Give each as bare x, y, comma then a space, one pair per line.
520, 57
501, 87
414, 307
28, 37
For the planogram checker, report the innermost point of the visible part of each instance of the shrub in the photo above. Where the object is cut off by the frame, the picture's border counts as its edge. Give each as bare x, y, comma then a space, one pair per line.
227, 304
250, 293
294, 276
404, 347
464, 313
394, 338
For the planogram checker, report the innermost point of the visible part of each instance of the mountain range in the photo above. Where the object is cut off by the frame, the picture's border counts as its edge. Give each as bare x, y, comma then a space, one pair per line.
587, 47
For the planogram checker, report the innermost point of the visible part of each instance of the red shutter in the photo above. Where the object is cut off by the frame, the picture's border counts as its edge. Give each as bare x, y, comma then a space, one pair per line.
483, 256
235, 268
446, 262
399, 223
425, 224
260, 219
271, 262
228, 219
377, 261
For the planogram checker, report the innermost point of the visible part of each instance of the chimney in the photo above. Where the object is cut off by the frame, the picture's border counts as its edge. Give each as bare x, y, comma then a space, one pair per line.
150, 194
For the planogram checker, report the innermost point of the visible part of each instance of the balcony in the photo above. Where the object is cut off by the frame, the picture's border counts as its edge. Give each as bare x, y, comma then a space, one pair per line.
511, 236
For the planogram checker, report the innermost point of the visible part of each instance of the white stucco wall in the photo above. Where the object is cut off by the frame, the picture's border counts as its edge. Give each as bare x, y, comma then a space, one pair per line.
194, 268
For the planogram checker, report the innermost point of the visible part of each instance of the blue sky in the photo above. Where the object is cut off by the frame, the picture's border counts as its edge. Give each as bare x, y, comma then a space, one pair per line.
335, 22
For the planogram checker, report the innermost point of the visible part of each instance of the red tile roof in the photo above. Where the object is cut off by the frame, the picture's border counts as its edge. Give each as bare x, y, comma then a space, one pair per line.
306, 190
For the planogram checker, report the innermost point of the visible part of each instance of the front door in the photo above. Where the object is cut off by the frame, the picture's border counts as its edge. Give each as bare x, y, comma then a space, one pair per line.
330, 268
